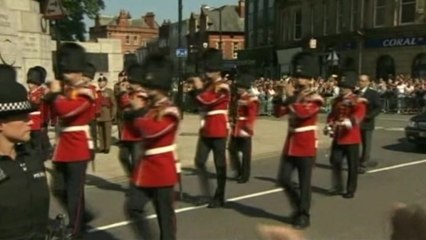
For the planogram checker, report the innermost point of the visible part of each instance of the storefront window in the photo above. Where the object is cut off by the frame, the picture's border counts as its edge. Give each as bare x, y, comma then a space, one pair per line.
251, 6
379, 13
385, 67
261, 4
325, 17
408, 11
419, 66
339, 14
354, 17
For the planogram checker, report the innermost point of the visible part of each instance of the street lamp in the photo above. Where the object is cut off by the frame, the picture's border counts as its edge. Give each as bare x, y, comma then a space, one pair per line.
180, 79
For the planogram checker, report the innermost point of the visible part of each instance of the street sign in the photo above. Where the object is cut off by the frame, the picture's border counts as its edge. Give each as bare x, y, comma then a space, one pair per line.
54, 10
181, 52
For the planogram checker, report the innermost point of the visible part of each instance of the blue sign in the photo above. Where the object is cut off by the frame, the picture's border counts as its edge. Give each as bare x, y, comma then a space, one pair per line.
395, 42
181, 52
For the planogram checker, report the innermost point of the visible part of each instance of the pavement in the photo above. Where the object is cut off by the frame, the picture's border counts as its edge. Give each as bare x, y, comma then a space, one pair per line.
399, 177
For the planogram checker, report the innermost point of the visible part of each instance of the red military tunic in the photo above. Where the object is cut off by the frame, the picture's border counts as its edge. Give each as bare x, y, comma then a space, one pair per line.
214, 102
129, 132
246, 115
157, 167
75, 112
36, 98
302, 125
345, 118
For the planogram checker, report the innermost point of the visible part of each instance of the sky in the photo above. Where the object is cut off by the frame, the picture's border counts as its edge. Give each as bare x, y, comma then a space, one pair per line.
163, 9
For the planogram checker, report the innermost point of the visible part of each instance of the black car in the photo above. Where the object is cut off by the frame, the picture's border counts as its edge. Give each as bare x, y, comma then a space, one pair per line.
416, 130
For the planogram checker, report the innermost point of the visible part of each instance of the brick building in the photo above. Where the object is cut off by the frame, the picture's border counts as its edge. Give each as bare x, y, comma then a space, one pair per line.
379, 37
134, 33
221, 28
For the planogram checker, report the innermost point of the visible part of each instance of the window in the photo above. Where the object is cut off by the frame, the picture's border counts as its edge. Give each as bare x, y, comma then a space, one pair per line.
235, 48
339, 16
325, 17
407, 11
260, 37
250, 22
385, 67
135, 40
354, 14
419, 66
379, 13
235, 56
251, 6
297, 34
312, 18
127, 39
271, 3
216, 44
261, 4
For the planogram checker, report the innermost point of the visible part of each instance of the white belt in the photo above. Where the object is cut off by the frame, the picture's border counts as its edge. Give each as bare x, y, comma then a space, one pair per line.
160, 150
242, 118
35, 113
303, 129
217, 112
83, 128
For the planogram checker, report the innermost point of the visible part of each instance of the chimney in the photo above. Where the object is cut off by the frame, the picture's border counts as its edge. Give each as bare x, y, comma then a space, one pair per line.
123, 18
149, 19
241, 9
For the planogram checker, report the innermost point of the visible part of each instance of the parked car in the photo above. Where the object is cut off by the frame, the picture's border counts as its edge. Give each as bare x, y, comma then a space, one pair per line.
416, 130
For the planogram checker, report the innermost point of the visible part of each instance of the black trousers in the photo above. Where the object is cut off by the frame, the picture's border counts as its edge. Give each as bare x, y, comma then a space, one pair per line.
218, 146
299, 200
36, 137
351, 153
162, 198
367, 139
129, 155
243, 145
73, 175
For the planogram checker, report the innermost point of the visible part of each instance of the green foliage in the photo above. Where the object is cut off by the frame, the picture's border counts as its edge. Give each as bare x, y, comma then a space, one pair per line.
72, 27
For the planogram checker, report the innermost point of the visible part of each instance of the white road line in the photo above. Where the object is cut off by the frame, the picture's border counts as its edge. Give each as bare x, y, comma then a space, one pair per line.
253, 195
397, 166
394, 119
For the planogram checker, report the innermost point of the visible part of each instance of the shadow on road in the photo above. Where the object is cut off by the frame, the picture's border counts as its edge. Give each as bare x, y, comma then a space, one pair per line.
404, 146
256, 212
92, 180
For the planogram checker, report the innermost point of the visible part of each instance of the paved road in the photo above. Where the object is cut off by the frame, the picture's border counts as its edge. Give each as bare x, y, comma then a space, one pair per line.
399, 177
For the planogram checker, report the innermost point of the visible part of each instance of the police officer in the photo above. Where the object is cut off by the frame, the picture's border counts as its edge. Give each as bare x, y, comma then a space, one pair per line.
343, 124
213, 96
74, 108
302, 105
35, 80
106, 115
243, 128
156, 174
24, 201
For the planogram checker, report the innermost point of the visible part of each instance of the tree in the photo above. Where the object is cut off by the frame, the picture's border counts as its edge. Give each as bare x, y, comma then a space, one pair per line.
72, 27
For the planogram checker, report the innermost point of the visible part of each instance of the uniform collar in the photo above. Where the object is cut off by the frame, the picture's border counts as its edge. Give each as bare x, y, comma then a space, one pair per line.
21, 150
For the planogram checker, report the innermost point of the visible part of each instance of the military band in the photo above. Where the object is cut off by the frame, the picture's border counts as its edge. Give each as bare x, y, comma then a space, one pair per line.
343, 125
302, 107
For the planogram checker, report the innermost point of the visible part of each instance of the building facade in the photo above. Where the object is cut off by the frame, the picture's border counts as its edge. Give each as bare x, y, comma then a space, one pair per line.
378, 37
260, 37
133, 33
221, 28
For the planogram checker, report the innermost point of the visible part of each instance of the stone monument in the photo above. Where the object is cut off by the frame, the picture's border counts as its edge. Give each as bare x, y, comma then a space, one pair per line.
24, 36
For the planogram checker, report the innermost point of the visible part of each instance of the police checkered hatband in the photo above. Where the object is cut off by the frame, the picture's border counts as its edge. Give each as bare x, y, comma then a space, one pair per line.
15, 106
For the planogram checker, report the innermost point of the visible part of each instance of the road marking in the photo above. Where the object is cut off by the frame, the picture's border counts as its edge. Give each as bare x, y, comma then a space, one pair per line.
236, 199
395, 129
394, 119
397, 166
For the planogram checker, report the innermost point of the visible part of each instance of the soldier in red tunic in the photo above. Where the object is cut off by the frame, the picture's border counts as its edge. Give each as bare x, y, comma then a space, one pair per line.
343, 124
155, 175
213, 96
130, 139
88, 76
243, 129
35, 80
302, 105
74, 110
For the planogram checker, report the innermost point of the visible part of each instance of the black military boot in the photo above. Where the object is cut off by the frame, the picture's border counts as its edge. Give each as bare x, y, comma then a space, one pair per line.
301, 221
219, 197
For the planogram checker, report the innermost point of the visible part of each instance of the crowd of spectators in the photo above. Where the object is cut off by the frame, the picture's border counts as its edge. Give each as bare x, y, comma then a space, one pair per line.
400, 94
